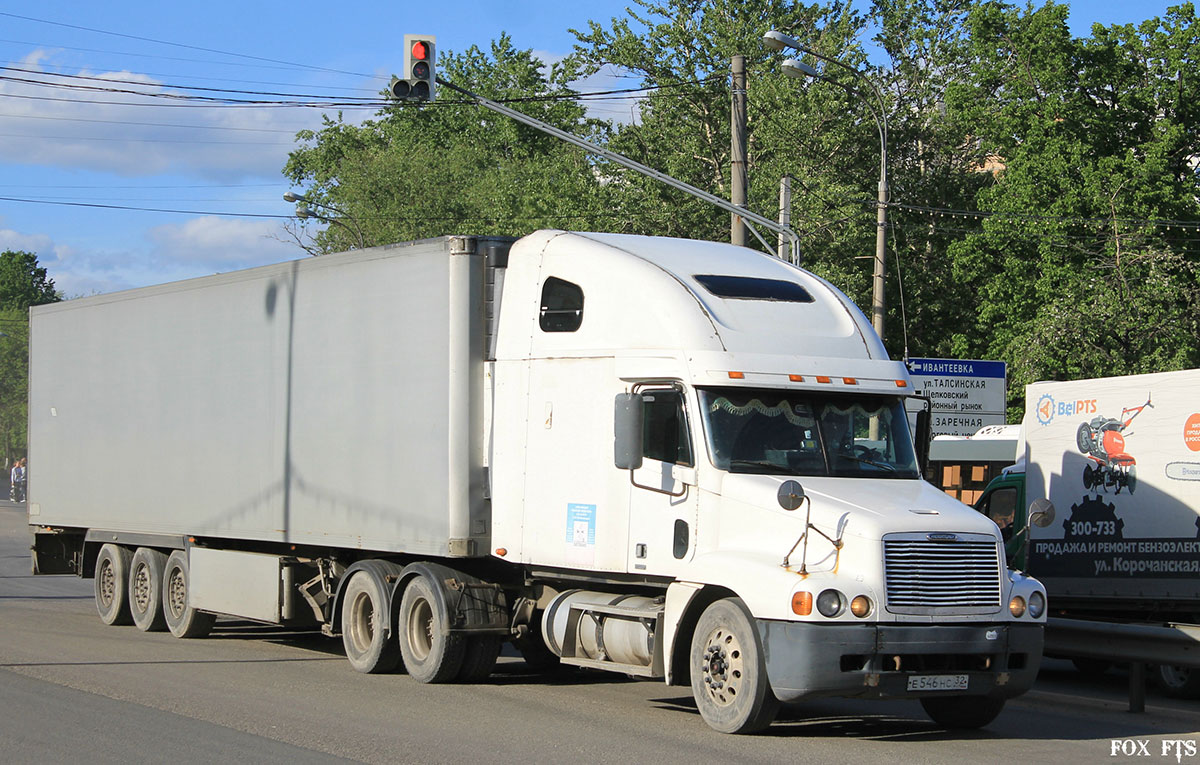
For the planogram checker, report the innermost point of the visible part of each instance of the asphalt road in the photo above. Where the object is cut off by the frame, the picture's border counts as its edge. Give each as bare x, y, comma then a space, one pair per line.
73, 689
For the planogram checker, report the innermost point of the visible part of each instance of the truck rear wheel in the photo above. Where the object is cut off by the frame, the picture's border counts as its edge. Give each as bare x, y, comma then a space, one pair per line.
182, 620
112, 584
962, 712
369, 648
145, 589
431, 654
729, 674
479, 658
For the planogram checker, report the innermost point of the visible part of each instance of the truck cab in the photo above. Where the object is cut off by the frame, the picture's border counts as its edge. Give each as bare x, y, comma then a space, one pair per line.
720, 426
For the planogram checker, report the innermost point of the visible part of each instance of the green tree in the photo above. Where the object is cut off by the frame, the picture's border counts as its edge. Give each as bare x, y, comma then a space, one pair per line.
453, 167
23, 283
1098, 141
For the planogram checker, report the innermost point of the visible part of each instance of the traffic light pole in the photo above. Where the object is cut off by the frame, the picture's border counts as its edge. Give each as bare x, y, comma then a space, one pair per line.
650, 172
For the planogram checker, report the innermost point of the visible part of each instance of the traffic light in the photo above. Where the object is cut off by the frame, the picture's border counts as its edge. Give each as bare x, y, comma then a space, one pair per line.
418, 81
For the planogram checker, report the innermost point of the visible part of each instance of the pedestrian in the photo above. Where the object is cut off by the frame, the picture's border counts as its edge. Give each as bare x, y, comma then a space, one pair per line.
17, 478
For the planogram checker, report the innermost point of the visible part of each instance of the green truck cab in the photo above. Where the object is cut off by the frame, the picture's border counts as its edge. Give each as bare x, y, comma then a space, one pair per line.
1003, 500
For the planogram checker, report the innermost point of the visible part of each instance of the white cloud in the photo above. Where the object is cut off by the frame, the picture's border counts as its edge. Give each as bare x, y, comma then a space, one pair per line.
197, 247
220, 244
83, 126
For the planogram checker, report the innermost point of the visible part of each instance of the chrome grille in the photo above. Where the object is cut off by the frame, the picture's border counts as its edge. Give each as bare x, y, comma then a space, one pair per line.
927, 576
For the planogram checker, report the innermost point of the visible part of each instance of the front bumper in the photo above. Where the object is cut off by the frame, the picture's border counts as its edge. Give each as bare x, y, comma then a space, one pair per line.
876, 660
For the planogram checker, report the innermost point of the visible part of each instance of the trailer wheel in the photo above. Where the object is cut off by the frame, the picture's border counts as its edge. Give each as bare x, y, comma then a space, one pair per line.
729, 676
962, 712
431, 654
182, 620
368, 648
1178, 682
111, 585
146, 589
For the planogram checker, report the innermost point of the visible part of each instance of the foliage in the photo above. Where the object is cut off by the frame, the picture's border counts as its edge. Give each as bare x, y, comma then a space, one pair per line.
453, 167
1034, 175
23, 283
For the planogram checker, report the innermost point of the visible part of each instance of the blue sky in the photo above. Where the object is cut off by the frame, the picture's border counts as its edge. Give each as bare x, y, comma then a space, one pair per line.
67, 149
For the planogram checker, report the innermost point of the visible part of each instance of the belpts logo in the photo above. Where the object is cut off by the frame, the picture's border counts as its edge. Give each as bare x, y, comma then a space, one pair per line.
1047, 408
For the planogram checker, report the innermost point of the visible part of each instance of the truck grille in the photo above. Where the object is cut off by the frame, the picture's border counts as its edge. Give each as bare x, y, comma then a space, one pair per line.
959, 576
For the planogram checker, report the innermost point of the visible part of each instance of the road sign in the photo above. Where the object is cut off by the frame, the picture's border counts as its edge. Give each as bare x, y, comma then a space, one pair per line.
964, 394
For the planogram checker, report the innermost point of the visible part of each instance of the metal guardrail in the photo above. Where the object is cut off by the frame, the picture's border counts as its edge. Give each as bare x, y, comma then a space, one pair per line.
1137, 644
1177, 644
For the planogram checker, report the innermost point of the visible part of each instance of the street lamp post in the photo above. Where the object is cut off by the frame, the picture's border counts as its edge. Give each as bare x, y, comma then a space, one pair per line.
304, 212
779, 41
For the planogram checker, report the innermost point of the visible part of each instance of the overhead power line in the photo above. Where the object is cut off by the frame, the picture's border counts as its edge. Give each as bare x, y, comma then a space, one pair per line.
181, 45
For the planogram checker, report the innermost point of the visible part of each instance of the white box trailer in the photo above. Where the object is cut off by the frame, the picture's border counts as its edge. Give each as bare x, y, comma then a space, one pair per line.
1119, 458
668, 458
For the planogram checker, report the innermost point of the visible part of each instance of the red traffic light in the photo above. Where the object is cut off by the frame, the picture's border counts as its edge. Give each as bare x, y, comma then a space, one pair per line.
420, 50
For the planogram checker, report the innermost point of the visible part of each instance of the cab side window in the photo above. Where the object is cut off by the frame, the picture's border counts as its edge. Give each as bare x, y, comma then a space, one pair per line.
1001, 507
562, 306
664, 428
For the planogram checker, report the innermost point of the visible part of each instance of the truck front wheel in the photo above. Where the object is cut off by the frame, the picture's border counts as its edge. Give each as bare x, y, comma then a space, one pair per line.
431, 653
182, 620
729, 676
367, 647
1179, 682
112, 584
962, 712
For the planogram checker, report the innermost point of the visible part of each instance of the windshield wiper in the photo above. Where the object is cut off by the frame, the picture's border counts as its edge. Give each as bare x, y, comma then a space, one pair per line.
771, 466
865, 461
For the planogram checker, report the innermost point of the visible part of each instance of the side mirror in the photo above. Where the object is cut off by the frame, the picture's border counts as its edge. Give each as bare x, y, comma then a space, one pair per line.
1041, 513
923, 436
627, 431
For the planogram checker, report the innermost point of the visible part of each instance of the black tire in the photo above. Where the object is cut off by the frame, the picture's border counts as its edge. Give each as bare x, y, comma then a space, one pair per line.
369, 649
145, 589
962, 712
1178, 682
533, 649
1092, 666
112, 584
479, 658
431, 655
728, 669
182, 620
1084, 439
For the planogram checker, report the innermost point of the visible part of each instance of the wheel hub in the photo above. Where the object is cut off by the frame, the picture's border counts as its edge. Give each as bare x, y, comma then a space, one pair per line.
721, 667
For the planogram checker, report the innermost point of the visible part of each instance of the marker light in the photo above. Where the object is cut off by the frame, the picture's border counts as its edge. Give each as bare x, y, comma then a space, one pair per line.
850, 380
802, 603
901, 383
823, 379
737, 375
795, 378
1016, 606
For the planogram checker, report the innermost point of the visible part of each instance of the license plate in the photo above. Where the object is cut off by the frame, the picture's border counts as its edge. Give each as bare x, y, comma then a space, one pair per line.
937, 683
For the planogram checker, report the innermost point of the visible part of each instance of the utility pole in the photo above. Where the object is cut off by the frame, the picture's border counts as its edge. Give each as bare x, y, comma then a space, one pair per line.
785, 212
737, 153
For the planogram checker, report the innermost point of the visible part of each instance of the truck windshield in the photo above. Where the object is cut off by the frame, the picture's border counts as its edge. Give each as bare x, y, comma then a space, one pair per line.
803, 433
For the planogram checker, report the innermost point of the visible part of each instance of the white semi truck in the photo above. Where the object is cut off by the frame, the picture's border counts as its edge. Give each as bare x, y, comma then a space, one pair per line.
666, 458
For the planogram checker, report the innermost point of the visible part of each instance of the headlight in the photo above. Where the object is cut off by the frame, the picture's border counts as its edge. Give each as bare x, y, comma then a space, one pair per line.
860, 606
1037, 605
831, 603
1016, 606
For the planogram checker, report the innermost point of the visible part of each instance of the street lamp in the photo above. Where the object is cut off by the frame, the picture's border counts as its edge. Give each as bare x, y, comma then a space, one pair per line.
776, 40
304, 212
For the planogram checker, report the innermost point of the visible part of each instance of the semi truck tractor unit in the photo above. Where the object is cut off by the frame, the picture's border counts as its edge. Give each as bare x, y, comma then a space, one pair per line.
665, 458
